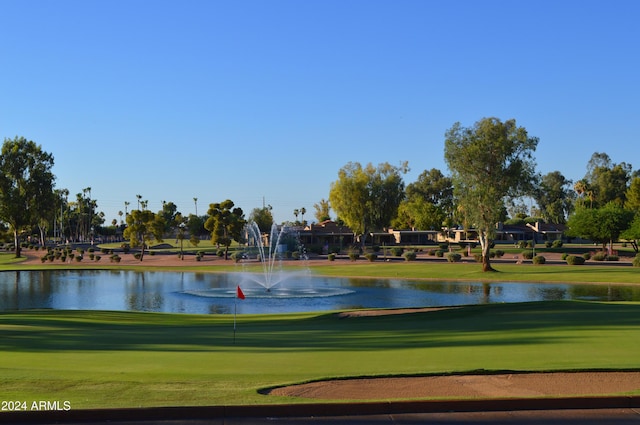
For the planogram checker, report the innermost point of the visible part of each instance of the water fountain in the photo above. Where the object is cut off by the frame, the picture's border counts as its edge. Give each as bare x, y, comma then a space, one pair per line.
268, 256
270, 281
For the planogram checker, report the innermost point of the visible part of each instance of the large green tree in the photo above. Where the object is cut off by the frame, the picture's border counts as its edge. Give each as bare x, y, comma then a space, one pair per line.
26, 185
367, 198
632, 201
604, 182
322, 210
489, 162
603, 225
263, 218
143, 226
417, 213
225, 224
555, 197
428, 202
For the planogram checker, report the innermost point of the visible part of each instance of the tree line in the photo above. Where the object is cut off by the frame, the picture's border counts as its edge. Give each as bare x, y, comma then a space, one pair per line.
492, 170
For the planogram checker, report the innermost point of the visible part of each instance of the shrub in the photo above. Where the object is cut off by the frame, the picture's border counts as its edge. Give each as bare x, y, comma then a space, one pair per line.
332, 256
499, 253
548, 244
557, 243
397, 251
115, 258
564, 255
613, 258
478, 258
443, 246
198, 257
522, 244
295, 255
527, 255
236, 256
137, 255
539, 259
410, 256
453, 257
78, 258
530, 244
636, 261
439, 253
43, 258
575, 260
353, 255
598, 256
220, 253
371, 256
98, 257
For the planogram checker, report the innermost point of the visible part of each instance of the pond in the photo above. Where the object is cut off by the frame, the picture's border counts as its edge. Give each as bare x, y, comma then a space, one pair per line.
214, 293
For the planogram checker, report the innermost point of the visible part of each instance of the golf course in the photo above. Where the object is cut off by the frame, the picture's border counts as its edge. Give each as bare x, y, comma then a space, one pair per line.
108, 359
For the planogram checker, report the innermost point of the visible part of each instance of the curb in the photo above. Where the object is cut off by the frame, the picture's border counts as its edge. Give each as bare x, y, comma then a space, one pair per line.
317, 409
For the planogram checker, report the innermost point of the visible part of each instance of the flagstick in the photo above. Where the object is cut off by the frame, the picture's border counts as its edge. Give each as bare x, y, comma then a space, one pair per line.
235, 310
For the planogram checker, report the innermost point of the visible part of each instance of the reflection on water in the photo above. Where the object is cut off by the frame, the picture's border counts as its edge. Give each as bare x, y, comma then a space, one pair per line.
179, 292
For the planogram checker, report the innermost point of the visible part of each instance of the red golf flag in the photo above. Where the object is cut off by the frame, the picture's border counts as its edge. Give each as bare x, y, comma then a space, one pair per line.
239, 292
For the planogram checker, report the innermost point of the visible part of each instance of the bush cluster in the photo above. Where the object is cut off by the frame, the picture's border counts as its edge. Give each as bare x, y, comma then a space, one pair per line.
371, 256
539, 259
575, 260
397, 251
527, 255
410, 256
636, 261
453, 257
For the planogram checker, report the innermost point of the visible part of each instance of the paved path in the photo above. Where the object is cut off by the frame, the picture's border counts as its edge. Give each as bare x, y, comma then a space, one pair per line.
556, 411
523, 417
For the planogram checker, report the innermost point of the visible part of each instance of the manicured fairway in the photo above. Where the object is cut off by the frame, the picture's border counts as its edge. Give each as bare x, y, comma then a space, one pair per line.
112, 359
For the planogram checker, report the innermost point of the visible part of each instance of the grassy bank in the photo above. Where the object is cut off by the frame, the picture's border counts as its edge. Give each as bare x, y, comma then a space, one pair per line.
111, 359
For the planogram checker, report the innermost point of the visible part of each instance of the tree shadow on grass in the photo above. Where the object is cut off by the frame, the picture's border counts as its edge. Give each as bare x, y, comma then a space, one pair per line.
473, 326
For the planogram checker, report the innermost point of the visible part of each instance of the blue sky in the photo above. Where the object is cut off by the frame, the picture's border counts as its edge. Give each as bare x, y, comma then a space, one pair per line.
267, 100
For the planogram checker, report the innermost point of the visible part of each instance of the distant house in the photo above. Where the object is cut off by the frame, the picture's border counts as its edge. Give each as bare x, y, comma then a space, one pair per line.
325, 234
548, 232
513, 233
412, 237
457, 235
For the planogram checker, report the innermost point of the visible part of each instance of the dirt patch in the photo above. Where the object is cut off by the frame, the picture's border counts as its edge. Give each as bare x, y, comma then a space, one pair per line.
469, 386
388, 312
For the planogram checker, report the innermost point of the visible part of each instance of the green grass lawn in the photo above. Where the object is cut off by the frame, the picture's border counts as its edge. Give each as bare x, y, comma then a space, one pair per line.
112, 359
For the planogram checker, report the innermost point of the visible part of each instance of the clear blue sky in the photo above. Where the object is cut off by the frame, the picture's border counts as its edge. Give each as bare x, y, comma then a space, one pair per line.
253, 100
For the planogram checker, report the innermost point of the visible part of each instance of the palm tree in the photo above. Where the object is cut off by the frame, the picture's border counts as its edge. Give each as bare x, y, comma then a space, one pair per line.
195, 201
303, 210
582, 187
296, 212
